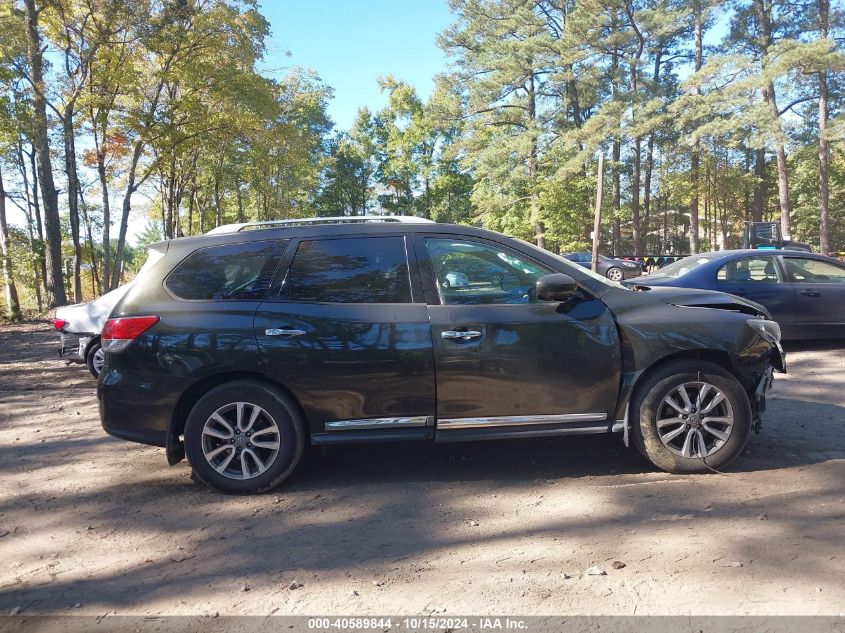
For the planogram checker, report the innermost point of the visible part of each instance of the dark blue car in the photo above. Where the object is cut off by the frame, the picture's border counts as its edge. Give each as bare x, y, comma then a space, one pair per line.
804, 292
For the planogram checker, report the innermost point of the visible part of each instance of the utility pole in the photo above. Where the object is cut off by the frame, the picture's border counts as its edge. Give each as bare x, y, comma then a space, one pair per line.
597, 221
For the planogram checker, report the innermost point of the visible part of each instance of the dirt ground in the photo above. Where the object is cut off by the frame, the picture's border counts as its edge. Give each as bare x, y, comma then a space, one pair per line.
94, 525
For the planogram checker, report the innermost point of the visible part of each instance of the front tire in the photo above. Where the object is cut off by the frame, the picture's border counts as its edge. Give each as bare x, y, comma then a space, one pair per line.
690, 417
244, 436
95, 359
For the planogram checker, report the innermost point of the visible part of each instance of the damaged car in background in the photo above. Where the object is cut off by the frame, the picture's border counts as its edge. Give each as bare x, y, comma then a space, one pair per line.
237, 349
79, 328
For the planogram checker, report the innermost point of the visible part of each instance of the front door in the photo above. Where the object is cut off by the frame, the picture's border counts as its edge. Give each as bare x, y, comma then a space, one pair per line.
346, 334
507, 363
759, 278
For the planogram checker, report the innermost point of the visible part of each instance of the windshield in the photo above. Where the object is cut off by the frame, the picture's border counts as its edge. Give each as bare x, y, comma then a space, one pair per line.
682, 266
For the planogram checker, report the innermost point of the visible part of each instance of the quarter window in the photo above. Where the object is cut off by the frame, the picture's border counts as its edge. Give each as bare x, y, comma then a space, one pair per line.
476, 273
233, 272
749, 270
814, 271
349, 270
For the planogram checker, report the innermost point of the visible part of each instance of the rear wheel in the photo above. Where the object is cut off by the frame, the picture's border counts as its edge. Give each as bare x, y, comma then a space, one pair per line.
690, 417
95, 359
615, 274
244, 436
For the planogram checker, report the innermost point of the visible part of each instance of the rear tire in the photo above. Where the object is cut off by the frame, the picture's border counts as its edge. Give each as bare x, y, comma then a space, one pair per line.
705, 434
95, 358
221, 432
615, 274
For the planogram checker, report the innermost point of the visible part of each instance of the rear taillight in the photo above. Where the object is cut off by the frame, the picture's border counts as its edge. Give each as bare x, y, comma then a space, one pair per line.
118, 333
59, 324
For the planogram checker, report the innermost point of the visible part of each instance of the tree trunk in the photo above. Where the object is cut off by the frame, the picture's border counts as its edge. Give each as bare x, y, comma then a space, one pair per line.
695, 157
635, 197
616, 232
131, 186
49, 197
637, 148
217, 204
533, 182
759, 185
39, 226
72, 197
746, 197
104, 191
824, 149
13, 308
86, 220
192, 196
783, 185
649, 160
240, 202
201, 212
35, 251
764, 20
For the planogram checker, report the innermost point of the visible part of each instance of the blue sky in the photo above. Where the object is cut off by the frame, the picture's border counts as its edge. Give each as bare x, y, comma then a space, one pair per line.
351, 43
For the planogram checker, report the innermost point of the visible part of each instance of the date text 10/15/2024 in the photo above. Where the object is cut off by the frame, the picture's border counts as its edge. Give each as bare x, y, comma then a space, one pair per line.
419, 623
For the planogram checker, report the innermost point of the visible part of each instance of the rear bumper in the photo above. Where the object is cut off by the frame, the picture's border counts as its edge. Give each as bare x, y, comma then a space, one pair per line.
69, 347
138, 406
72, 347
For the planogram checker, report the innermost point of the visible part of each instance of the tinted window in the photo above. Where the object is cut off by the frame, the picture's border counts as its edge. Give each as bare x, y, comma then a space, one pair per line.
230, 272
350, 270
476, 273
814, 271
749, 270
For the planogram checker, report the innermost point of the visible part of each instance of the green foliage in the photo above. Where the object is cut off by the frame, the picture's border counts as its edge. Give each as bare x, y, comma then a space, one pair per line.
174, 117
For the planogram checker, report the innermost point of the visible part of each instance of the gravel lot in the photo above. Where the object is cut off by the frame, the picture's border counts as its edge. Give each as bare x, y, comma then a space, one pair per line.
94, 525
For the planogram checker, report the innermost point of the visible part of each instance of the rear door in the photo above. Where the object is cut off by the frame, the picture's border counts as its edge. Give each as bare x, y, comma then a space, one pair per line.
508, 364
761, 279
819, 287
346, 330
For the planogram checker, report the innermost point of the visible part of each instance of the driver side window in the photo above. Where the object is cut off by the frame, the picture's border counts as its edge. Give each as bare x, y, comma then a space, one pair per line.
814, 271
473, 273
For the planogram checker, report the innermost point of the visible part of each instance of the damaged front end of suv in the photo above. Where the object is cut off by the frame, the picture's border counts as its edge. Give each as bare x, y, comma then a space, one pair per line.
733, 333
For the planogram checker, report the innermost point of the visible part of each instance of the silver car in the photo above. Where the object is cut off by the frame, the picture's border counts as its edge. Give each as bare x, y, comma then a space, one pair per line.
79, 327
613, 268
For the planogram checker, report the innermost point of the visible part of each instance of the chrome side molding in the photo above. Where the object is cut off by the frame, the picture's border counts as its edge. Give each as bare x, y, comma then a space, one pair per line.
380, 423
518, 420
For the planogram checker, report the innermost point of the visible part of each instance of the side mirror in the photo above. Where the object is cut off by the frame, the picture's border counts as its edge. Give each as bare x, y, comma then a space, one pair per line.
557, 287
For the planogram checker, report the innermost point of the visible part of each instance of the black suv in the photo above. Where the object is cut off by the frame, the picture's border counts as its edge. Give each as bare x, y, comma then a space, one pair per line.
240, 347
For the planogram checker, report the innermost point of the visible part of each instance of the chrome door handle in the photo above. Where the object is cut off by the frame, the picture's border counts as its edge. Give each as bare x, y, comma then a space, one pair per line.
283, 332
460, 335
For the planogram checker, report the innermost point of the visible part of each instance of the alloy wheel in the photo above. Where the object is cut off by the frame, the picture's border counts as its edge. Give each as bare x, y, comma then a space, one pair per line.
615, 274
98, 360
695, 419
240, 440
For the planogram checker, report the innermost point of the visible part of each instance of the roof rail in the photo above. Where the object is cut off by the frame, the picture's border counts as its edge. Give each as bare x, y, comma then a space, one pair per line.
347, 219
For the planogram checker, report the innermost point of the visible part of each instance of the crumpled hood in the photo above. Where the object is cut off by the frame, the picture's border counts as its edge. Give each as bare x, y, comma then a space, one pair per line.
697, 298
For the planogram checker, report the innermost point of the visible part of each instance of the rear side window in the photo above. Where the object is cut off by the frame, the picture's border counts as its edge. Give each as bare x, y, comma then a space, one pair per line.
231, 272
349, 270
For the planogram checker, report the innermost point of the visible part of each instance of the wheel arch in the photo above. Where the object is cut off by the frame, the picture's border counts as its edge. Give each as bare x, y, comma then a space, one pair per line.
186, 402
94, 339
718, 357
